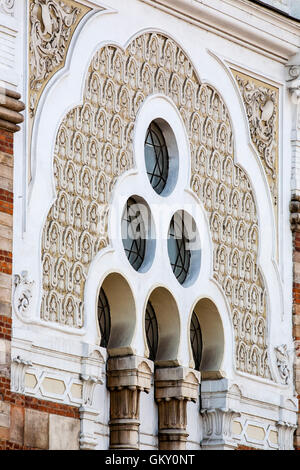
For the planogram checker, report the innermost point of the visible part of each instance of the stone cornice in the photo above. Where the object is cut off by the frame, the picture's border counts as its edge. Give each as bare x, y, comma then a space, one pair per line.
240, 21
10, 110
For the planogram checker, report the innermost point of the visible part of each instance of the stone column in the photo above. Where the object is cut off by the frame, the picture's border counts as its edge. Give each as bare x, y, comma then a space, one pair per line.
293, 84
174, 387
127, 377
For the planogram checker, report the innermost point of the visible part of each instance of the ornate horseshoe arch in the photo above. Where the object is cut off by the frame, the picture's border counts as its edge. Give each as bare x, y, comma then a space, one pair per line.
94, 146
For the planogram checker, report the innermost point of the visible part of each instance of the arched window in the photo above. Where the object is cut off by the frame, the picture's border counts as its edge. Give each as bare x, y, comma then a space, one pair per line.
151, 328
196, 340
104, 318
133, 233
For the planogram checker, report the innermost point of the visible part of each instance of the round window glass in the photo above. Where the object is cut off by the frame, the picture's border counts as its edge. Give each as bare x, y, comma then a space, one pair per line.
179, 254
156, 158
196, 340
151, 331
103, 318
133, 233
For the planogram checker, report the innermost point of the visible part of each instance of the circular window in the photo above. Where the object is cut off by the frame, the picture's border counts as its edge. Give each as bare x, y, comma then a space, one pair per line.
196, 340
156, 158
133, 233
179, 254
103, 318
151, 331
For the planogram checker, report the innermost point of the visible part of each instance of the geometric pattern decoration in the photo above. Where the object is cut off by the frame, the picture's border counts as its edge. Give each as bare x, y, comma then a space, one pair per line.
94, 146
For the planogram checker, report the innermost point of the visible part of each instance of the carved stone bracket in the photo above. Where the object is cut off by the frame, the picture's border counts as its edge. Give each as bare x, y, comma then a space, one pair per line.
18, 370
217, 428
126, 378
10, 110
174, 387
22, 294
285, 435
89, 383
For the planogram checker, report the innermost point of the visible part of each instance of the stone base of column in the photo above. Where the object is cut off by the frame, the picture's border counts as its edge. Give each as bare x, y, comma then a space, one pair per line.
124, 434
172, 439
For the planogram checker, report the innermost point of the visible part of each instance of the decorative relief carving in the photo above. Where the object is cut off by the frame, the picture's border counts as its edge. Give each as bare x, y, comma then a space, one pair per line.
7, 7
18, 370
94, 147
217, 427
286, 435
52, 24
22, 294
89, 383
262, 107
283, 362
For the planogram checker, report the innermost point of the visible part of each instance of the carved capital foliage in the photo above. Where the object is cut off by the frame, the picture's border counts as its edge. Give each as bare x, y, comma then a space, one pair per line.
52, 24
22, 294
261, 101
127, 377
217, 426
286, 435
18, 370
174, 387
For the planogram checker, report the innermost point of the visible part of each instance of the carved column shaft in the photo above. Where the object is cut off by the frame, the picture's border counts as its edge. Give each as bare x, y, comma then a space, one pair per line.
127, 378
124, 418
172, 424
174, 387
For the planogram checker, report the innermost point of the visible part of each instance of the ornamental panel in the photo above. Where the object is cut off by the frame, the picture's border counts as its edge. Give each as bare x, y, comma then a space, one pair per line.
94, 147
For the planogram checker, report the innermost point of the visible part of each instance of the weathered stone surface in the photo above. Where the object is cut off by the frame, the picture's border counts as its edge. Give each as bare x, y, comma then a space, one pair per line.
17, 424
36, 429
63, 433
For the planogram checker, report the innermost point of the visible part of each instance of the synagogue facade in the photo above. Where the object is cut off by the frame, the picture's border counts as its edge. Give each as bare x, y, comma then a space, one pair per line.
149, 224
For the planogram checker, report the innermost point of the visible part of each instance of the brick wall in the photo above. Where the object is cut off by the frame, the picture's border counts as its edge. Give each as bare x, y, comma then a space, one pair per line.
296, 321
25, 422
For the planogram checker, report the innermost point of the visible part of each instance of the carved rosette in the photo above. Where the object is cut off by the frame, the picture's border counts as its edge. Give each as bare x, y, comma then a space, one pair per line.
174, 387
52, 24
94, 146
127, 377
261, 101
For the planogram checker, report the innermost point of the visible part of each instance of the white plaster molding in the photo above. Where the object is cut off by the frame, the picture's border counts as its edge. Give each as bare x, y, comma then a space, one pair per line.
260, 29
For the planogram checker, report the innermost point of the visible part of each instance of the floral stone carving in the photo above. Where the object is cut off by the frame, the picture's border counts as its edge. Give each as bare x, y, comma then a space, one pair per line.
22, 294
94, 147
261, 101
52, 23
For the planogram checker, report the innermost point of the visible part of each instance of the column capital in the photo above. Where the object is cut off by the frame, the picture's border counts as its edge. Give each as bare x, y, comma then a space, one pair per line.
177, 382
129, 371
